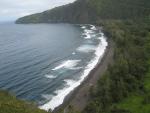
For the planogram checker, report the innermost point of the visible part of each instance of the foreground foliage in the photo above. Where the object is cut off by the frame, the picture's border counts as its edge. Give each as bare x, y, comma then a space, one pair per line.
9, 104
125, 87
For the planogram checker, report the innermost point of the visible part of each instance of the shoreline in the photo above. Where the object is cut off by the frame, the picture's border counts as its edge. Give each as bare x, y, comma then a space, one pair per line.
79, 97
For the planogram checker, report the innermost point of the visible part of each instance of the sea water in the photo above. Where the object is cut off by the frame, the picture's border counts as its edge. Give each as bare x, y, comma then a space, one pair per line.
43, 63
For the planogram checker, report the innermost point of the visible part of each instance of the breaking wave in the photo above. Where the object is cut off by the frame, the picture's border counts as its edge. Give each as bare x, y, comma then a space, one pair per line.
70, 84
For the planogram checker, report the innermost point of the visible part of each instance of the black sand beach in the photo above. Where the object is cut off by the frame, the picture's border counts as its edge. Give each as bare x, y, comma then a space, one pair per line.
79, 98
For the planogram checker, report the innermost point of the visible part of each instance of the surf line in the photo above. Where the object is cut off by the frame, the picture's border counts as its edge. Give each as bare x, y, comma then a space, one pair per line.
62, 93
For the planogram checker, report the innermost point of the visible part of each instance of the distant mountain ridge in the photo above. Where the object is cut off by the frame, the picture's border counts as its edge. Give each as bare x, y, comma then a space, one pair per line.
90, 11
131, 60
77, 12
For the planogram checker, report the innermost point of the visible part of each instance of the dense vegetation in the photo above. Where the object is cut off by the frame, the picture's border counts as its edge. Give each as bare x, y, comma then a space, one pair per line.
125, 86
77, 12
9, 104
120, 9
89, 11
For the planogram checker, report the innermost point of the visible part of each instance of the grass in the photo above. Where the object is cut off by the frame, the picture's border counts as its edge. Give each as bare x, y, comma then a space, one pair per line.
10, 104
138, 102
134, 104
147, 81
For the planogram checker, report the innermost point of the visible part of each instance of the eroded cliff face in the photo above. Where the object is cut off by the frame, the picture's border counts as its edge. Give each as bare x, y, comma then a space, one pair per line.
91, 11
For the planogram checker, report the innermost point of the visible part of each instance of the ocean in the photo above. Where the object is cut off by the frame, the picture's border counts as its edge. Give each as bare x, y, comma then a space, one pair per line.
43, 63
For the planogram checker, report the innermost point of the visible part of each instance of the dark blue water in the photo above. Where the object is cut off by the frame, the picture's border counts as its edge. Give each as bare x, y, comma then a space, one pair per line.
36, 61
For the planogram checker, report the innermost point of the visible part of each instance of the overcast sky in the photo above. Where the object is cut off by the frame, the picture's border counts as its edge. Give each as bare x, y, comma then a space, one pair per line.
13, 9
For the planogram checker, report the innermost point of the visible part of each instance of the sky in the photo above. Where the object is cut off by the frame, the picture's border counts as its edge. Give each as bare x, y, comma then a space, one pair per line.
10, 10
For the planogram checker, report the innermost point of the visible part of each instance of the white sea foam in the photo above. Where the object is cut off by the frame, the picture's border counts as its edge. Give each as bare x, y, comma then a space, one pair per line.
76, 68
69, 64
93, 27
87, 36
86, 48
61, 94
71, 84
73, 53
87, 33
50, 76
83, 27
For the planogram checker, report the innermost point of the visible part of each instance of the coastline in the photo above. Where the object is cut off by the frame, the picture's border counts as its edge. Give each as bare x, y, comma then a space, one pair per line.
79, 97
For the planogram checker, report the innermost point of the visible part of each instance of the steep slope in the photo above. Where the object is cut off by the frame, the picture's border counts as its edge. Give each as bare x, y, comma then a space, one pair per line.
124, 88
120, 9
9, 104
90, 11
78, 12
124, 79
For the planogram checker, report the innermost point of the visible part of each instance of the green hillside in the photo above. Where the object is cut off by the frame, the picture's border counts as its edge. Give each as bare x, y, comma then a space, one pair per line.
125, 87
9, 104
120, 9
77, 12
90, 11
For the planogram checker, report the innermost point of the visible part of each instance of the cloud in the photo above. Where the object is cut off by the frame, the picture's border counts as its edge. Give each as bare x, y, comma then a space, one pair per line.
13, 9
